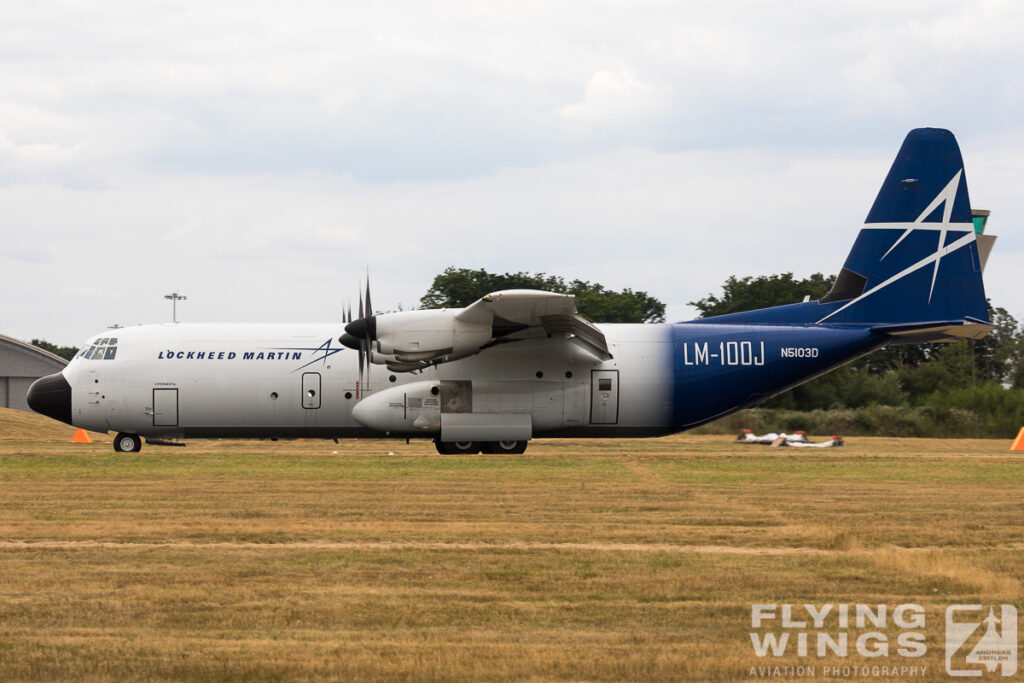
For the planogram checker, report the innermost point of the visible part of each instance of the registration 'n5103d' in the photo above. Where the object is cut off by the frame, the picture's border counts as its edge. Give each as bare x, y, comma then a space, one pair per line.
799, 352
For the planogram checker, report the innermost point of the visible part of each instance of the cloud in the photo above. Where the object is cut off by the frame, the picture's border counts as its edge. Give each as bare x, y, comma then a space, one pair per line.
616, 96
261, 156
250, 247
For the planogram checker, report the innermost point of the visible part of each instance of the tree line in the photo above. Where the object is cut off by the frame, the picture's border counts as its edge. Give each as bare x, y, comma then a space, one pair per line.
459, 287
980, 380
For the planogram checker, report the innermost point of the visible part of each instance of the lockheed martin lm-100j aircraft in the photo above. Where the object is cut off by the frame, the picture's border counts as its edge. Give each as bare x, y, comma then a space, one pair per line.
521, 364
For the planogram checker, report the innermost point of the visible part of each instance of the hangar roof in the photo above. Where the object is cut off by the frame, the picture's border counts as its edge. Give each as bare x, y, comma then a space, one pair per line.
21, 359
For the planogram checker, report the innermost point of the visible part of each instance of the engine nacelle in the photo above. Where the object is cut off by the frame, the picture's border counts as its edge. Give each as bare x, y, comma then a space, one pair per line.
412, 339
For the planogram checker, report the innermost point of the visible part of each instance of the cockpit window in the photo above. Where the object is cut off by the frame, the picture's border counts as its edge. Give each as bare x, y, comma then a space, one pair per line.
101, 349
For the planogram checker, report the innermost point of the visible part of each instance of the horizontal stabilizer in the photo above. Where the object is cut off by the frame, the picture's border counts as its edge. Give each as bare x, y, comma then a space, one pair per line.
936, 331
985, 243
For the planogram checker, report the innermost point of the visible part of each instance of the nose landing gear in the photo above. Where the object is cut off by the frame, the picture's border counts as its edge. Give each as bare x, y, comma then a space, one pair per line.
127, 443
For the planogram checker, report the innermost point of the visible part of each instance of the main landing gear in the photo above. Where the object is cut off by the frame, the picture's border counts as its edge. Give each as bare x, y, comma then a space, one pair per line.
489, 447
127, 443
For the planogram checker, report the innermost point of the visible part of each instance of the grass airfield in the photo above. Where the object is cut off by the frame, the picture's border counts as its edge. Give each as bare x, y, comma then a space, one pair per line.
580, 560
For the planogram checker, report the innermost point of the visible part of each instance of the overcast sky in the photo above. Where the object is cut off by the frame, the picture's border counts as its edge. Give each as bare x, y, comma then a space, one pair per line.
259, 157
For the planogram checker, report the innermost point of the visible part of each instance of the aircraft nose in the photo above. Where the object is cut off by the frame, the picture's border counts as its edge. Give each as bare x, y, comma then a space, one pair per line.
51, 396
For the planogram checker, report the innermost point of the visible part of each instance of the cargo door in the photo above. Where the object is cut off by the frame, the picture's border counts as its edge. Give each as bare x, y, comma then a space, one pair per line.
575, 404
604, 397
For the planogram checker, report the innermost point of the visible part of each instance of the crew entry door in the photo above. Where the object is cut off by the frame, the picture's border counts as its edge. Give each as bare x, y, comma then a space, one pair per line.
165, 407
604, 397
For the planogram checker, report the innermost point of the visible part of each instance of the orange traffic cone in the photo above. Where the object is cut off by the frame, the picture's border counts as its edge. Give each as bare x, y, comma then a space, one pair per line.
1018, 443
81, 437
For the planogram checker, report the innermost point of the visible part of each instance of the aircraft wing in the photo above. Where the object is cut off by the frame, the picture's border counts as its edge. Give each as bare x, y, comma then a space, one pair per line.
406, 341
513, 310
519, 306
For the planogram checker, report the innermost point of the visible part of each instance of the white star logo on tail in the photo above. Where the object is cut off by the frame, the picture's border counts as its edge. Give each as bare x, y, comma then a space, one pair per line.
946, 197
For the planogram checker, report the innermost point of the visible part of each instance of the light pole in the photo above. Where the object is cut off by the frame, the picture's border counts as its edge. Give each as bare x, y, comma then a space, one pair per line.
175, 298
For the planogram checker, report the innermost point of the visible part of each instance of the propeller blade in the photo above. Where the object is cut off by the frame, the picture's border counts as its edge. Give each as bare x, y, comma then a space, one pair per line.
360, 332
366, 345
369, 308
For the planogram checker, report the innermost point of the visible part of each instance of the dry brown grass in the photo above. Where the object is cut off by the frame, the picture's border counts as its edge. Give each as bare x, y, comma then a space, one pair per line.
600, 560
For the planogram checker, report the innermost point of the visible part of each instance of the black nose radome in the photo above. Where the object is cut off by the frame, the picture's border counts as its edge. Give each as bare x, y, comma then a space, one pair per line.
363, 328
51, 396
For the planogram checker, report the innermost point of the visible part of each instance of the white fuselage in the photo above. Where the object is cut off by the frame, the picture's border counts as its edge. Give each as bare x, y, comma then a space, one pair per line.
262, 380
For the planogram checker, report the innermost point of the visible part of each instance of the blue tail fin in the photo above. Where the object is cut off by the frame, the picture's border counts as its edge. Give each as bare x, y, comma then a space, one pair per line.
916, 258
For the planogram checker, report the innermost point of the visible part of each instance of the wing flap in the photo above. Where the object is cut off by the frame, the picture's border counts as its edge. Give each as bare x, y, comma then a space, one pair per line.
579, 331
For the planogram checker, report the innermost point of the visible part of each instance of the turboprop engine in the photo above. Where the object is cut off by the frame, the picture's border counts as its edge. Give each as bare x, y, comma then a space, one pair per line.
414, 339
410, 340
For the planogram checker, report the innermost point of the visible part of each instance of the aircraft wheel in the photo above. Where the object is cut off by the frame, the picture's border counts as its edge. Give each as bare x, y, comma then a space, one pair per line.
504, 447
457, 447
127, 443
